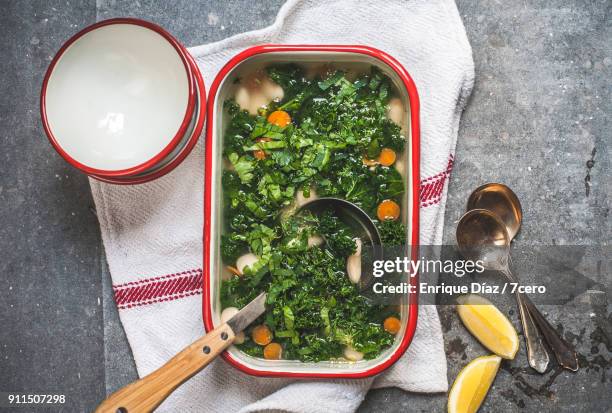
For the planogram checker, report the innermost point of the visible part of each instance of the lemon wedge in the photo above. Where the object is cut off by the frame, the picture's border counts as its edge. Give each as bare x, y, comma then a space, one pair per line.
472, 384
488, 325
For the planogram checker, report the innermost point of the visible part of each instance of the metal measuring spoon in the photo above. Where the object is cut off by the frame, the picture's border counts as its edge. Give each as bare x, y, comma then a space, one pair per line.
500, 200
481, 235
504, 203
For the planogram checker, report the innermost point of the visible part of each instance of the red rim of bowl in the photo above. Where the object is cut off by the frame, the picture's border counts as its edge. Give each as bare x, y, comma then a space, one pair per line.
183, 55
414, 180
197, 131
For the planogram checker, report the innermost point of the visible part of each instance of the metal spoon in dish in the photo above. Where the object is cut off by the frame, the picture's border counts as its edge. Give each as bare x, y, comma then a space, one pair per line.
363, 226
504, 203
481, 235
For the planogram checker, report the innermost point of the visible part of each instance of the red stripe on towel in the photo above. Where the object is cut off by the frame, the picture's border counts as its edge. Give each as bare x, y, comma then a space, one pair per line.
433, 186
161, 277
158, 289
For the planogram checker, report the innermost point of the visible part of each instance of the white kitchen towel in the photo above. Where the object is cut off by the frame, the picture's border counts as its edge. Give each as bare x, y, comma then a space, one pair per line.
152, 233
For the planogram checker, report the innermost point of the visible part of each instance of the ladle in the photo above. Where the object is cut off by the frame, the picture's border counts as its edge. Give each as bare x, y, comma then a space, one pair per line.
356, 218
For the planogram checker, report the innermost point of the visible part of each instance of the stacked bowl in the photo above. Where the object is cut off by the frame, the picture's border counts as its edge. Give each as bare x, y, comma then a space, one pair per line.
123, 101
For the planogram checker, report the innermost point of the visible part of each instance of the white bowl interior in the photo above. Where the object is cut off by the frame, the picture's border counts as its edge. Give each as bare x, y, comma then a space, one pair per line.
353, 62
187, 136
117, 96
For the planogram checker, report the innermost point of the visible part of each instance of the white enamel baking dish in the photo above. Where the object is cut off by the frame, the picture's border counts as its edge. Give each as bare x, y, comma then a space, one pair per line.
356, 58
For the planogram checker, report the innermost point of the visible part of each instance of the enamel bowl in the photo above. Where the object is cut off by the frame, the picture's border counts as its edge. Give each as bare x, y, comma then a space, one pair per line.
120, 98
181, 151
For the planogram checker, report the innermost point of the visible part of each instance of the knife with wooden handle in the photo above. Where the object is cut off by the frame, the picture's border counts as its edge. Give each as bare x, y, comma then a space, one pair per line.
146, 394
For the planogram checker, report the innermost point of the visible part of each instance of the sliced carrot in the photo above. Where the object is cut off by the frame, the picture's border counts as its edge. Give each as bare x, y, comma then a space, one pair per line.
273, 351
392, 325
261, 335
260, 154
388, 210
234, 270
279, 118
387, 157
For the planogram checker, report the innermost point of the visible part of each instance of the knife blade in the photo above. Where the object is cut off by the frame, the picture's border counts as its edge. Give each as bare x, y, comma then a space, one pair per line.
248, 314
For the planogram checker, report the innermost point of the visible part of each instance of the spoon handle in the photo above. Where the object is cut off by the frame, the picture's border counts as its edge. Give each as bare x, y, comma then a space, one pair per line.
536, 352
564, 352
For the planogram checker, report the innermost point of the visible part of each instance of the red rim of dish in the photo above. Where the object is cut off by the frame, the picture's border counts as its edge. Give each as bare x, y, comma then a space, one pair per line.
195, 135
414, 180
134, 170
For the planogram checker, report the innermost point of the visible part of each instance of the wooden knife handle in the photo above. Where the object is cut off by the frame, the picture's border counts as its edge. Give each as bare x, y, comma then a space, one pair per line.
146, 394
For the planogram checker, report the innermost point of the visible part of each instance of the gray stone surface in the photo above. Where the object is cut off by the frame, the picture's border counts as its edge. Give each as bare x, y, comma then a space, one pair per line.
540, 108
541, 104
51, 337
